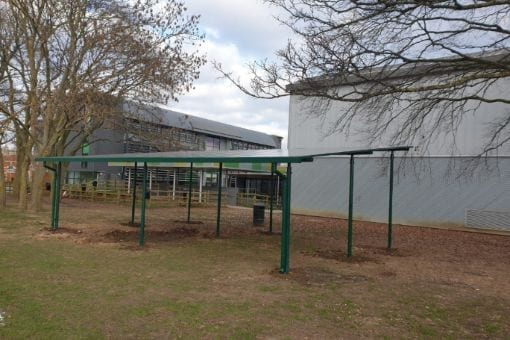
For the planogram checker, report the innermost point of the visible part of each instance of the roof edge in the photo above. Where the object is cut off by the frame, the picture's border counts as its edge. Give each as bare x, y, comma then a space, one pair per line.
403, 70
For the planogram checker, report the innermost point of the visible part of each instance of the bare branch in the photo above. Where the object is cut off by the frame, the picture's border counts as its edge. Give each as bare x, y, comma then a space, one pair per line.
408, 69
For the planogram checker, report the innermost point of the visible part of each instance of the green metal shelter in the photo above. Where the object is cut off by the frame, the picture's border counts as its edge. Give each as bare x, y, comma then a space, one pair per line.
273, 157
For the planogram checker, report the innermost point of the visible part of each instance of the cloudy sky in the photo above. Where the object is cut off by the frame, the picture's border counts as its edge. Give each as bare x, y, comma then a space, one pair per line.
237, 32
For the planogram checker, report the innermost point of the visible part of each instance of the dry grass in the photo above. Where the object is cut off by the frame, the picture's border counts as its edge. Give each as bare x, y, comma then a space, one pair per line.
90, 279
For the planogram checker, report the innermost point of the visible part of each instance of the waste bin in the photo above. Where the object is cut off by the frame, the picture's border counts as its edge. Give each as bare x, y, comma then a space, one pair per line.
258, 213
148, 195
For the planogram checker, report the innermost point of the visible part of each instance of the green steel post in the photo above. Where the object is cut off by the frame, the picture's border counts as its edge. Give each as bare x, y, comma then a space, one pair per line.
284, 266
189, 190
351, 194
390, 204
271, 198
218, 213
133, 205
142, 215
53, 200
287, 214
283, 252
57, 195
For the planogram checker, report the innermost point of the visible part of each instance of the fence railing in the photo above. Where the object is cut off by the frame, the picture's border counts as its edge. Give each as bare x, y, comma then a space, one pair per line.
120, 194
249, 199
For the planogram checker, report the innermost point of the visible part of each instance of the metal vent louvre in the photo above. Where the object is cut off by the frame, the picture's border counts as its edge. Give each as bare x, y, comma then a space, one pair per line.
485, 219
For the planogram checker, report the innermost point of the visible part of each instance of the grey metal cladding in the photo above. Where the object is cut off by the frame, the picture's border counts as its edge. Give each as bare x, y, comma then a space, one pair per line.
487, 219
426, 191
180, 120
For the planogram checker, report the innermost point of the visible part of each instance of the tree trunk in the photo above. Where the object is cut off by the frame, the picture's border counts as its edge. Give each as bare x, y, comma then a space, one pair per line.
22, 175
19, 159
3, 202
37, 188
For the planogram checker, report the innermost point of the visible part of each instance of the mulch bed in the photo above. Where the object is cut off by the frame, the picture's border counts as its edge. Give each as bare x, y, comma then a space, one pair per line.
154, 235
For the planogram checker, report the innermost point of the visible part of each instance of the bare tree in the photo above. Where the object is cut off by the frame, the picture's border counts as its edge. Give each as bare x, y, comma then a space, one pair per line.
3, 202
75, 61
2, 174
6, 138
6, 54
414, 69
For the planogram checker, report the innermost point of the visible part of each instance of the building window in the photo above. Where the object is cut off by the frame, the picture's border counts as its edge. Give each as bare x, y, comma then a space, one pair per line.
85, 149
238, 145
212, 143
73, 177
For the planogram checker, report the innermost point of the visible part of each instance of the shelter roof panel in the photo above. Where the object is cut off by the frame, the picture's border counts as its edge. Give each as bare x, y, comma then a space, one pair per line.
237, 156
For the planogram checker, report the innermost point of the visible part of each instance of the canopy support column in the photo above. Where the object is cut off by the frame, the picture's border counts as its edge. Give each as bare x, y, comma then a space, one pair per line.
173, 184
142, 215
271, 198
57, 195
201, 177
189, 190
129, 181
53, 193
218, 213
285, 243
390, 202
278, 189
54, 199
133, 203
150, 180
351, 196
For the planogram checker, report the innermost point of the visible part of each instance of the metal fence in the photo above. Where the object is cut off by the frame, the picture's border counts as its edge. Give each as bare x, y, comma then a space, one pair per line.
118, 193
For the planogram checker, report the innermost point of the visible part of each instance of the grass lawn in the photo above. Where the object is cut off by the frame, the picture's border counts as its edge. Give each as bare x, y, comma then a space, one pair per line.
90, 280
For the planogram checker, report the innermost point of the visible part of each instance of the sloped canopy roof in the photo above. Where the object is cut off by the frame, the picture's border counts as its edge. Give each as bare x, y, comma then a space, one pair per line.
239, 156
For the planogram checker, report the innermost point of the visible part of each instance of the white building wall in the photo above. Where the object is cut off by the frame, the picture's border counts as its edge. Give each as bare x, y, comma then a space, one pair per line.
430, 190
306, 130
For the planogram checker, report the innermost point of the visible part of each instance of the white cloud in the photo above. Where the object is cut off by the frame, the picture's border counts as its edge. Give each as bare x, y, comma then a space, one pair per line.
249, 24
233, 103
212, 33
216, 98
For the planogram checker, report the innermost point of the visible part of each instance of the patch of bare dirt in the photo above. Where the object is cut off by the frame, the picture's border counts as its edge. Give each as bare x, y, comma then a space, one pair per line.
60, 233
319, 276
63, 230
230, 231
154, 235
338, 255
129, 224
388, 273
190, 222
268, 233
